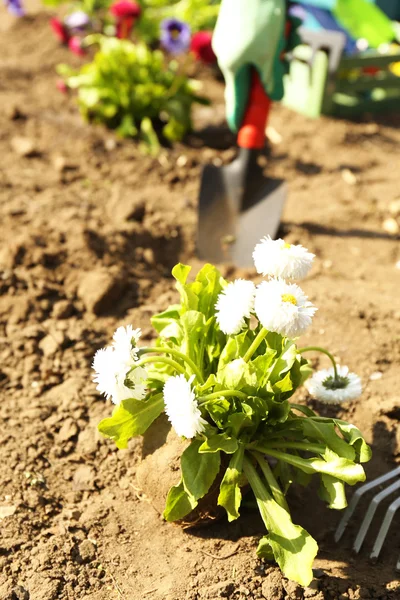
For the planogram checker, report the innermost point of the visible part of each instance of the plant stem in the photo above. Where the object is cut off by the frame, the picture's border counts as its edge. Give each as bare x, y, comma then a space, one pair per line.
318, 349
225, 394
177, 354
270, 479
318, 448
256, 342
160, 359
261, 493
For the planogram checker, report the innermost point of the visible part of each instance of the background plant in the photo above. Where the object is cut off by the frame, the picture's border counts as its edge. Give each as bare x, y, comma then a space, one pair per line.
134, 90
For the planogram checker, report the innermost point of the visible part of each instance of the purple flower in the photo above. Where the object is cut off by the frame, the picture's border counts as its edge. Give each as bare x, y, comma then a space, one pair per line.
15, 7
175, 36
77, 20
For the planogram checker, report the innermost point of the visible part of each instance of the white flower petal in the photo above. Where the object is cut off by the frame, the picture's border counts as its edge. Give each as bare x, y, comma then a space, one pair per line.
114, 363
181, 407
104, 365
125, 342
320, 385
234, 305
283, 307
278, 259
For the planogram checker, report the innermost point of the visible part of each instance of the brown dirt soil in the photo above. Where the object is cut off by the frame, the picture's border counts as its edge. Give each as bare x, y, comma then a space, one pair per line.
90, 230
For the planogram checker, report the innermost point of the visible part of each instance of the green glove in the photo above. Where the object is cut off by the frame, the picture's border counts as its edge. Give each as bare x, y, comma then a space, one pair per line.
247, 34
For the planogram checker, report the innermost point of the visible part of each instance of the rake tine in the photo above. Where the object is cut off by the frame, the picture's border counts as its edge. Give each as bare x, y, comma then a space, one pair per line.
356, 498
391, 511
376, 500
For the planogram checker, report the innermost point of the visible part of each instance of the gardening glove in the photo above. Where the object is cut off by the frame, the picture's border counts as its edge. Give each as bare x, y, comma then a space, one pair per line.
249, 34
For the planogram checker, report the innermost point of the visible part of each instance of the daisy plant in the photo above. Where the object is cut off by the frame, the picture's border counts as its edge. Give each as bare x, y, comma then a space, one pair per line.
224, 368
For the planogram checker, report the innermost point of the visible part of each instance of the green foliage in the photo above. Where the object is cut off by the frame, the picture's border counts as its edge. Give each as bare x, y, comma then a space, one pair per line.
243, 385
131, 418
130, 88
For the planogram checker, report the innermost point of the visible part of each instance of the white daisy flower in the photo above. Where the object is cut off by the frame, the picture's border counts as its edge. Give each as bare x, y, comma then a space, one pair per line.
283, 307
234, 305
114, 368
323, 385
279, 259
181, 407
125, 342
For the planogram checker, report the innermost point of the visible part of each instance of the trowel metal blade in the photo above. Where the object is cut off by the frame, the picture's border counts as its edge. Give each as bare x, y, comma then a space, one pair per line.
234, 215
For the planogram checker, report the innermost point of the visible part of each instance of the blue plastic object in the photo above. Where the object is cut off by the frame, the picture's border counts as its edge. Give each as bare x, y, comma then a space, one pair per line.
327, 21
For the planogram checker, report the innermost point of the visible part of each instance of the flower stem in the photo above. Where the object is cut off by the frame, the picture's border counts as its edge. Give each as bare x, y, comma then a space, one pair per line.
318, 349
305, 446
225, 394
177, 354
270, 479
256, 342
160, 359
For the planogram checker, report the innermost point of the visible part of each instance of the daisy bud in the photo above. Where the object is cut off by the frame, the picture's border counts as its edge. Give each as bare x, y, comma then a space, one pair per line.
181, 407
278, 259
283, 307
325, 387
234, 305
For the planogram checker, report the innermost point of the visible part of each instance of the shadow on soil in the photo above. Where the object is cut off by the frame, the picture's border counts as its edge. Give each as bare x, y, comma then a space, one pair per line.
332, 231
321, 522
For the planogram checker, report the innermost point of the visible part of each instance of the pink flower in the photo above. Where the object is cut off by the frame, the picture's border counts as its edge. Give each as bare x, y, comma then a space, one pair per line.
126, 14
61, 86
202, 48
75, 45
59, 30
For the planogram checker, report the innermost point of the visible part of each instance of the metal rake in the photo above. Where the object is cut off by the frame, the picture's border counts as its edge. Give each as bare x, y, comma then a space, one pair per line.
373, 506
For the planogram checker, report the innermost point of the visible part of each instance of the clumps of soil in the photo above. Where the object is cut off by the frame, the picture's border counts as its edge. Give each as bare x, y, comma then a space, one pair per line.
90, 229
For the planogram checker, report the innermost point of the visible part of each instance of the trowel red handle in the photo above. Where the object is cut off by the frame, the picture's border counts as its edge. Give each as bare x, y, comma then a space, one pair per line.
252, 132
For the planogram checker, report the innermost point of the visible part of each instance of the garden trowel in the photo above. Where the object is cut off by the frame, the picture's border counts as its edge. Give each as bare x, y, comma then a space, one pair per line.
238, 205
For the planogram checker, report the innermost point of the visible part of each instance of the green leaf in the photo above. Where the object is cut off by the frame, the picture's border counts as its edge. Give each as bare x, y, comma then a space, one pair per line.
179, 503
212, 284
210, 382
354, 437
303, 409
235, 347
230, 496
326, 433
194, 328
261, 364
329, 464
199, 470
278, 411
131, 418
238, 421
236, 375
180, 272
189, 300
219, 442
283, 385
264, 549
167, 318
219, 410
293, 547
333, 492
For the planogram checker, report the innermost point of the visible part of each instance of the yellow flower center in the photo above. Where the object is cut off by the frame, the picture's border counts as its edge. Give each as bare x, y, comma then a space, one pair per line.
289, 298
287, 246
175, 33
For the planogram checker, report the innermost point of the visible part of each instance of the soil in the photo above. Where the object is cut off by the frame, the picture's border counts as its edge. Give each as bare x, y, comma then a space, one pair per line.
90, 229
